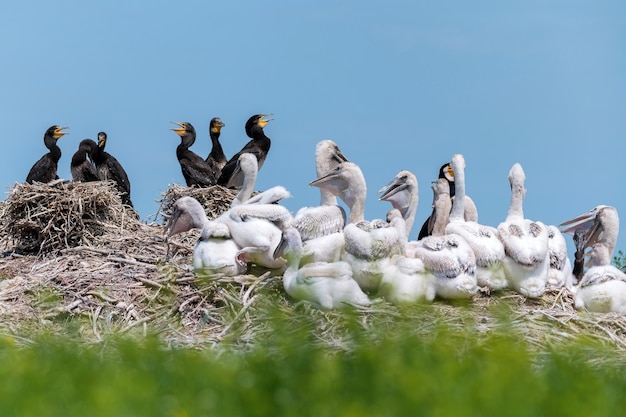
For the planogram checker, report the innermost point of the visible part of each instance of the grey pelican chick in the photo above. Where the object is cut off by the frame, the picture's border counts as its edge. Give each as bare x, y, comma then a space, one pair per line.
327, 285
484, 241
403, 194
525, 243
603, 286
328, 217
370, 246
321, 227
471, 214
215, 252
447, 257
347, 182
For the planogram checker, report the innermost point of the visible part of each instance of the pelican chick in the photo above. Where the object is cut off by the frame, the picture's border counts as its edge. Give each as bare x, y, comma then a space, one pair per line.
214, 252
257, 229
406, 281
447, 257
471, 214
603, 287
484, 241
321, 227
402, 193
247, 169
316, 221
327, 285
525, 243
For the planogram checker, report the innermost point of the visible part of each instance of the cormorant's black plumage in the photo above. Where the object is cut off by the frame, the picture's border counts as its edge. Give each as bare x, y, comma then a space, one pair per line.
195, 169
83, 169
444, 172
216, 158
45, 170
259, 146
109, 168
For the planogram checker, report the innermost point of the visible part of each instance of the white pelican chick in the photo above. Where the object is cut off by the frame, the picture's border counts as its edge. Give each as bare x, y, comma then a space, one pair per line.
256, 229
525, 243
406, 281
215, 251
483, 240
326, 285
603, 286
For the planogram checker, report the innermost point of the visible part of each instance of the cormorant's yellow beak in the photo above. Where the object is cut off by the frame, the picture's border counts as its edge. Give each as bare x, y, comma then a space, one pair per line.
263, 121
180, 130
59, 132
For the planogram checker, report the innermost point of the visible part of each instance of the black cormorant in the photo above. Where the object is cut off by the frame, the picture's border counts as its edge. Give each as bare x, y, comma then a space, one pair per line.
82, 169
195, 169
45, 170
109, 168
444, 172
216, 158
259, 145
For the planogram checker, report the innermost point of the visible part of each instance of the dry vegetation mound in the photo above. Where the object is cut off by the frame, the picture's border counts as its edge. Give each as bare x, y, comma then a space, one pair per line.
80, 264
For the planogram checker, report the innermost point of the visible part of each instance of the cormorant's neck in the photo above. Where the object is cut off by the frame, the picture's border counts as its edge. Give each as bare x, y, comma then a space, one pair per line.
55, 152
258, 134
216, 150
79, 157
452, 188
98, 155
186, 141
51, 144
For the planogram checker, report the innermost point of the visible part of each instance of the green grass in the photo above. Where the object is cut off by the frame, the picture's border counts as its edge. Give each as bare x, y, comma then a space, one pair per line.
389, 369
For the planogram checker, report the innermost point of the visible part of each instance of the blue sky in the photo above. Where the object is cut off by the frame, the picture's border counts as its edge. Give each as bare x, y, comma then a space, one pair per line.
397, 84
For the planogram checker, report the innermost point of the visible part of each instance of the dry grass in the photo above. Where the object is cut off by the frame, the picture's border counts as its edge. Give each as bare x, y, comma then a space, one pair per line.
98, 272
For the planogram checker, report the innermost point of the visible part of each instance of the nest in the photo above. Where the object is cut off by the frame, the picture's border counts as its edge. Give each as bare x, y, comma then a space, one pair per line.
215, 199
39, 218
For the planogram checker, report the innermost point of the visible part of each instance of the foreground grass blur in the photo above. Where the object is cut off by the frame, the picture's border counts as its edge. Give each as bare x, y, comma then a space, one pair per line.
389, 369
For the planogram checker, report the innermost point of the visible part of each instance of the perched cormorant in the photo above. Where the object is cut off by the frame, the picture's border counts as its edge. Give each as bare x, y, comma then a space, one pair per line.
216, 158
195, 169
109, 168
259, 145
45, 170
83, 169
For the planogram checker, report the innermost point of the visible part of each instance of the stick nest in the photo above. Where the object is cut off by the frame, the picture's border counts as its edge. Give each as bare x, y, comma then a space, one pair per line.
215, 199
38, 218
